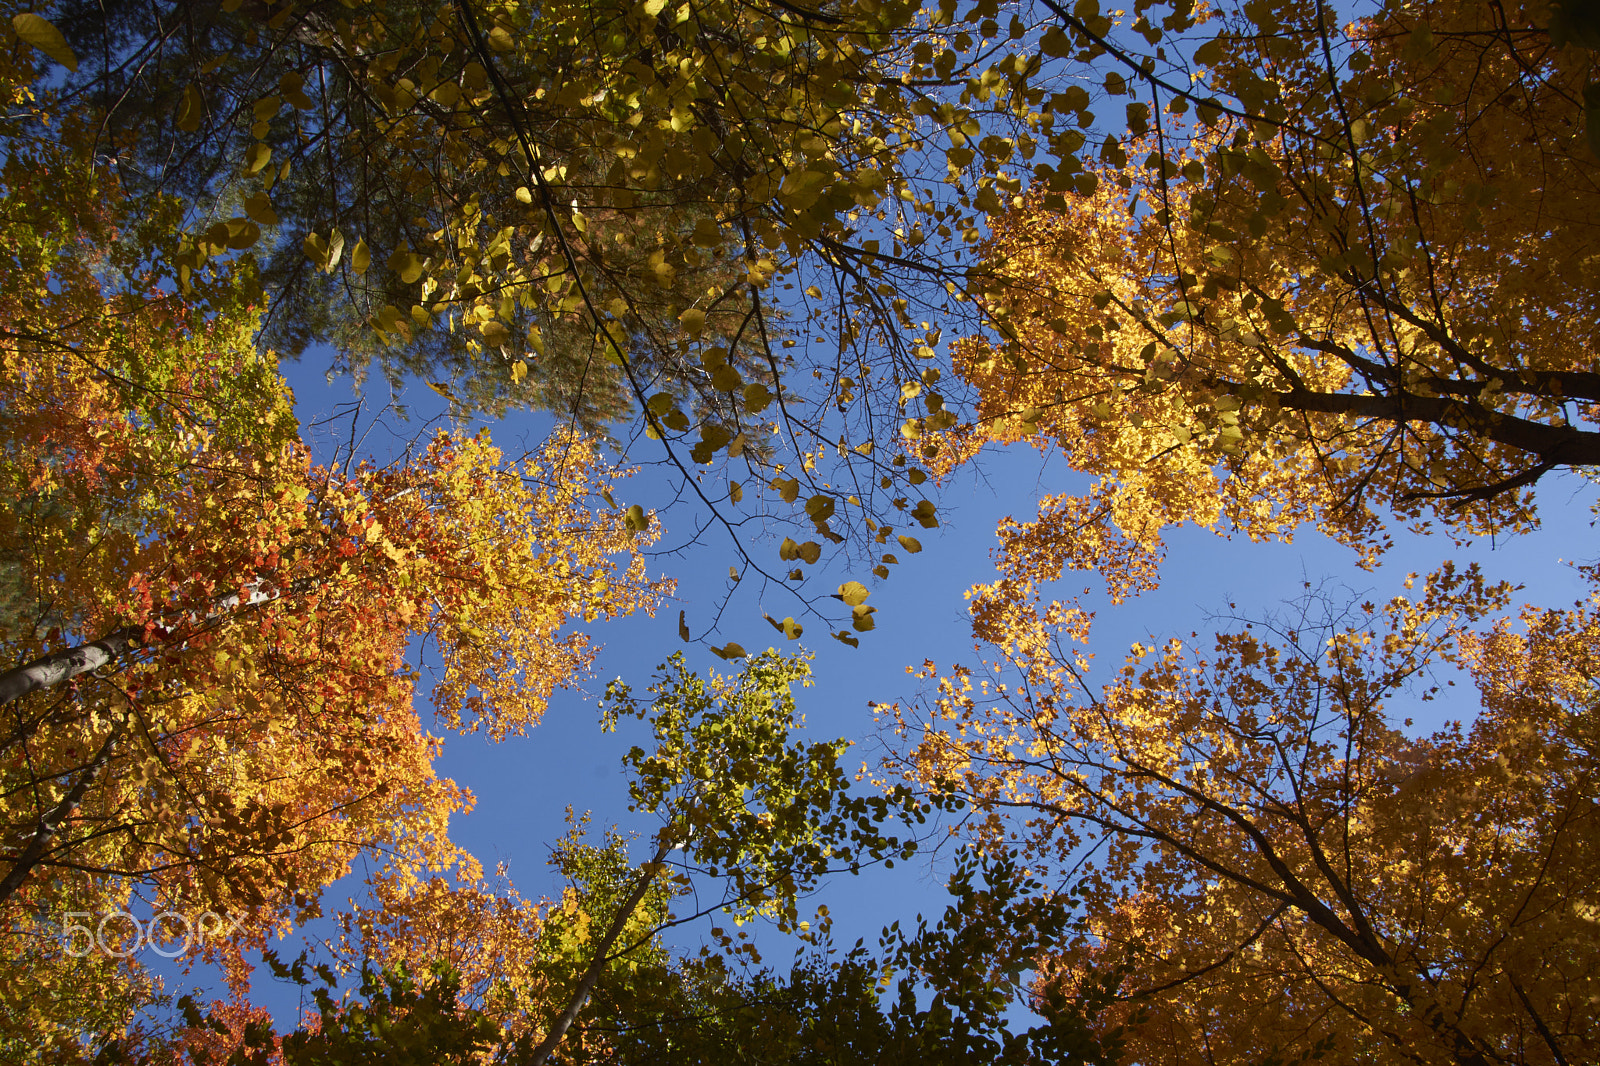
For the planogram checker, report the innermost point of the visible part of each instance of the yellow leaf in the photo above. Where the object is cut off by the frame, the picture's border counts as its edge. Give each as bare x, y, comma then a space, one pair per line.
788, 627
407, 264
242, 233
707, 233
335, 250
756, 398
46, 38
259, 207
257, 156
853, 593
191, 109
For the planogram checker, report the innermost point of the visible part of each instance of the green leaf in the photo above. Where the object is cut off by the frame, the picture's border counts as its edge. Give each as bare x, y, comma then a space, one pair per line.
46, 38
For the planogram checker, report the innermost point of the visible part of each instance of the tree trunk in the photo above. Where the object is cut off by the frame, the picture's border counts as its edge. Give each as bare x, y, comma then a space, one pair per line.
591, 976
59, 667
50, 825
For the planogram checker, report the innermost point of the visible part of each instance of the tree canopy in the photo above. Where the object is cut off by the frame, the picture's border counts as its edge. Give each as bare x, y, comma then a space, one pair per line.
1350, 287
1272, 865
1252, 267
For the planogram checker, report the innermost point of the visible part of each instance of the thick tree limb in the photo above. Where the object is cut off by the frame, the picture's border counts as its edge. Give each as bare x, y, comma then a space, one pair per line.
1554, 445
59, 667
50, 825
597, 965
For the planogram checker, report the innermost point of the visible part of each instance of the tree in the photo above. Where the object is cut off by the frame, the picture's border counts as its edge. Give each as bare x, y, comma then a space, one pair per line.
245, 753
1347, 275
744, 806
208, 703
660, 1008
947, 992
587, 177
622, 211
1277, 868
740, 800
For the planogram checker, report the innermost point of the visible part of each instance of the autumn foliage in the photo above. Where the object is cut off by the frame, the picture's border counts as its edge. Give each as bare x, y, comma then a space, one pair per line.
251, 729
1295, 273
1355, 283
1271, 864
